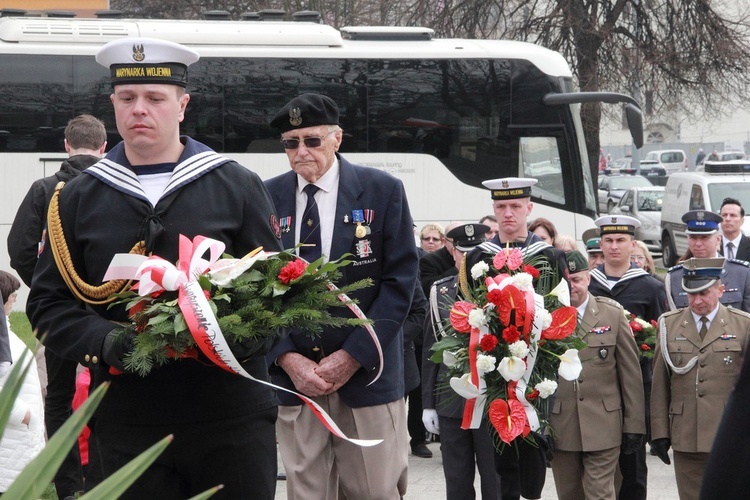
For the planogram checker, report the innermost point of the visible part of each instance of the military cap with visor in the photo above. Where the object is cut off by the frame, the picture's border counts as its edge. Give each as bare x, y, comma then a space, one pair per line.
701, 274
466, 236
701, 222
146, 60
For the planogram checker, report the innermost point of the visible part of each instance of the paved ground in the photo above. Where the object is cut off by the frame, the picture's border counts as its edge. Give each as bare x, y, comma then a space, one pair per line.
426, 480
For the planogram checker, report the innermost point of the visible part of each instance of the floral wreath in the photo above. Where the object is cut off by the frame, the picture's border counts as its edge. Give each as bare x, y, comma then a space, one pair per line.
505, 342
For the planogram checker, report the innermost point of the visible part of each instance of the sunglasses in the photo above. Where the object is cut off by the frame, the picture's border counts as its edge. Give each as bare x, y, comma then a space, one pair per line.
310, 142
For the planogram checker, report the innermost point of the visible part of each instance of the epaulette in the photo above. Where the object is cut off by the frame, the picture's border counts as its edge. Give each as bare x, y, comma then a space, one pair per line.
674, 268
739, 311
443, 280
739, 261
609, 300
671, 313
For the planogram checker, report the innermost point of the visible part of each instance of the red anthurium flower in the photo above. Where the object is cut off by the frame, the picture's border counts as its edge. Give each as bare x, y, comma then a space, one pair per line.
511, 299
292, 271
563, 323
459, 316
488, 343
508, 418
499, 260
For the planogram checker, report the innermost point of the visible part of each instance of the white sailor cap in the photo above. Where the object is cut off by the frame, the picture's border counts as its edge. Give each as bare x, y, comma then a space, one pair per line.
146, 60
610, 224
509, 188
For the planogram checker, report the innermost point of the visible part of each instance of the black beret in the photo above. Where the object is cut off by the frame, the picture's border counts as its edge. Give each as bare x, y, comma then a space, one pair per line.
306, 110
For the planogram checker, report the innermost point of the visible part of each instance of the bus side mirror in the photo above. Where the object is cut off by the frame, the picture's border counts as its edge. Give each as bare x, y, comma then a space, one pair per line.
634, 118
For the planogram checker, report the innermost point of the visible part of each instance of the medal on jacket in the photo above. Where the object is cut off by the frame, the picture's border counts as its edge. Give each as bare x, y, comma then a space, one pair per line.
361, 231
358, 216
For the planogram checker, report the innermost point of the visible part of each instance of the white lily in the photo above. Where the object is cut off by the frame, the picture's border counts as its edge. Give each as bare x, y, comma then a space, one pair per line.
570, 365
464, 387
562, 292
512, 368
449, 359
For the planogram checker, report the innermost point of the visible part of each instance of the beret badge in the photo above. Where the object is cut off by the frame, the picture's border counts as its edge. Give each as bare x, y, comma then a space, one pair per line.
295, 117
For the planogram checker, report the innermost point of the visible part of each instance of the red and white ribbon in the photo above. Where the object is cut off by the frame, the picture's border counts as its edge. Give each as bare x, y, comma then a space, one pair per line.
157, 274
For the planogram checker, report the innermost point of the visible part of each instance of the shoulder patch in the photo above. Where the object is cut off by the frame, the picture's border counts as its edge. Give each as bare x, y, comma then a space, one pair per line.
740, 262
674, 268
444, 280
671, 313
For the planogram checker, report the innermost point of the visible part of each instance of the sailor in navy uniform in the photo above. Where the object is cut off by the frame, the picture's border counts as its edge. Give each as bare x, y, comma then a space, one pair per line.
462, 450
704, 239
362, 212
511, 202
155, 186
640, 294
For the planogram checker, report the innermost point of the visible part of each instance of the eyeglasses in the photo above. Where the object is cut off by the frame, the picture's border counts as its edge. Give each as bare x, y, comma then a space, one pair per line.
431, 238
310, 142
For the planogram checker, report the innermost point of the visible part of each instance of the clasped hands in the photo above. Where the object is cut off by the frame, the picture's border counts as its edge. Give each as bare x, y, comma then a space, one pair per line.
321, 378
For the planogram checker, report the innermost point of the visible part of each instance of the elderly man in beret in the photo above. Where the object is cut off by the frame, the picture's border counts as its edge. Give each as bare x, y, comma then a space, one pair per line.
604, 408
696, 364
152, 187
337, 208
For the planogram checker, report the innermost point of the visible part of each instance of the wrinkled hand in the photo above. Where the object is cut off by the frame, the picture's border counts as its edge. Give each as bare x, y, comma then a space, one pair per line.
116, 345
430, 420
302, 372
631, 443
661, 448
337, 369
247, 348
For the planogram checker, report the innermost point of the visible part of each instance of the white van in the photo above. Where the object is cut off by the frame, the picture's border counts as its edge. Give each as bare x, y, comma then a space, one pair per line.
687, 191
673, 160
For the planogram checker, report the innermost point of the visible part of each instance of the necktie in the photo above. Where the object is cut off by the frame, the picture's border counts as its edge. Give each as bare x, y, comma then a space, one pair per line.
704, 328
310, 229
730, 250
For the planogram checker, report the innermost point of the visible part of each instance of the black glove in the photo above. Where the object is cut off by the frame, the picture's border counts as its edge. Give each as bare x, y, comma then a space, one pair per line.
116, 345
661, 448
253, 346
631, 443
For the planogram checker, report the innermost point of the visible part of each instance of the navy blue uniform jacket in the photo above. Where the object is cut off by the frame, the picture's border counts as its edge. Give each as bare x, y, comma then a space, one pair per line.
392, 264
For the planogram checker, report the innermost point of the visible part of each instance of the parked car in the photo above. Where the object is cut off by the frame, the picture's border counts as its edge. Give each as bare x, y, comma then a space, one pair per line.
612, 187
673, 160
644, 203
651, 169
700, 191
721, 156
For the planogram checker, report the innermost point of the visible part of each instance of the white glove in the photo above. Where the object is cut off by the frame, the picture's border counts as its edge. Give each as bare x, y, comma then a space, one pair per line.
430, 421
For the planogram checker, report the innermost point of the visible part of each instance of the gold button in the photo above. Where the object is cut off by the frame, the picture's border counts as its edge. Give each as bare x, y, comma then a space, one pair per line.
94, 359
87, 358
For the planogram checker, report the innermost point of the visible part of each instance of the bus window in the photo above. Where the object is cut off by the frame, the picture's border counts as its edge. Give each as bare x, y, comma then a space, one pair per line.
539, 158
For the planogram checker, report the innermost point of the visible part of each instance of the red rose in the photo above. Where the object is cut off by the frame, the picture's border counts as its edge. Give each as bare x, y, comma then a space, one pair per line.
533, 271
488, 343
635, 326
533, 394
645, 347
292, 271
511, 334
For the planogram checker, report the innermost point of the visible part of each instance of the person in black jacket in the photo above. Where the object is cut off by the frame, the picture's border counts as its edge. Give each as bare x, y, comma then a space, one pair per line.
85, 141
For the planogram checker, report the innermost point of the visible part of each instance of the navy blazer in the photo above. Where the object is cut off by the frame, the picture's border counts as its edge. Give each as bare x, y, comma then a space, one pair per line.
387, 255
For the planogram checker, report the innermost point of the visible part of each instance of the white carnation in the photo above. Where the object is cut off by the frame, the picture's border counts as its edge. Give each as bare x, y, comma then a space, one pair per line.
643, 323
477, 319
524, 281
546, 388
545, 317
479, 269
485, 363
519, 349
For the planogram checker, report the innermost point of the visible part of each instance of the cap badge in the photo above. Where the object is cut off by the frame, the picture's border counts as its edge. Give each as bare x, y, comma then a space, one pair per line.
614, 220
138, 54
295, 117
506, 184
572, 265
469, 229
701, 215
